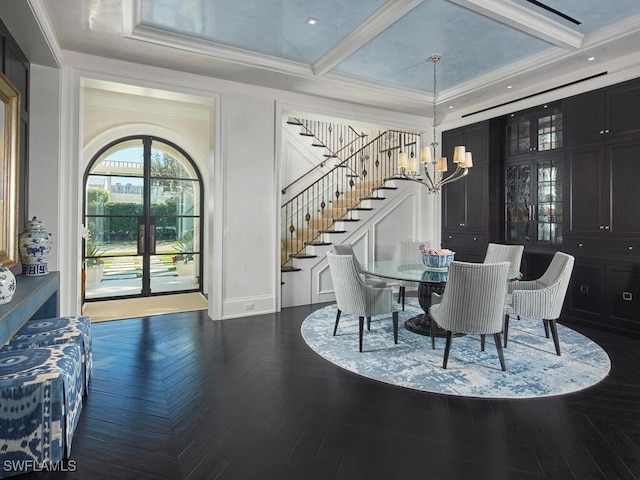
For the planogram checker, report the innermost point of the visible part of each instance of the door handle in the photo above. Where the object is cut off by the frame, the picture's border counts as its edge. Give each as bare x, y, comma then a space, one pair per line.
141, 238
152, 239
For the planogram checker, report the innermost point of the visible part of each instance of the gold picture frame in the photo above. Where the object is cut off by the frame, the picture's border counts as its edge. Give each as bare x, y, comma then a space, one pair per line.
9, 167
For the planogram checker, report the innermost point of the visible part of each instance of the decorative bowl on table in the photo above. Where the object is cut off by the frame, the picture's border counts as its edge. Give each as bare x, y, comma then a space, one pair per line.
439, 260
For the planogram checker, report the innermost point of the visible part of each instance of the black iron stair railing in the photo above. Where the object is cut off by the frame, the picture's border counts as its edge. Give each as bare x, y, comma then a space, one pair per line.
309, 216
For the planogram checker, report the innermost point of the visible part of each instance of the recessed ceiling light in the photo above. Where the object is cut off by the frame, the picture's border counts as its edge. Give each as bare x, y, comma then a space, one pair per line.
311, 21
591, 59
450, 107
509, 86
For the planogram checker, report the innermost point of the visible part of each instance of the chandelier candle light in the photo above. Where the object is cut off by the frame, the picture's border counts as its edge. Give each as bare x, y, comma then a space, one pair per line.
435, 168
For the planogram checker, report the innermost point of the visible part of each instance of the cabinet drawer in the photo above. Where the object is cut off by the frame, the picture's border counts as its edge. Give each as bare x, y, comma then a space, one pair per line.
603, 247
467, 239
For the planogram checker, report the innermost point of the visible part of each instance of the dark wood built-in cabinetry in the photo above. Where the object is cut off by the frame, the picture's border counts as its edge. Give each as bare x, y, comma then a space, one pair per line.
466, 203
559, 177
603, 230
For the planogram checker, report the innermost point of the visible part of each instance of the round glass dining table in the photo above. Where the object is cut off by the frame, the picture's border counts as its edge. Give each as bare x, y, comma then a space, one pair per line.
429, 281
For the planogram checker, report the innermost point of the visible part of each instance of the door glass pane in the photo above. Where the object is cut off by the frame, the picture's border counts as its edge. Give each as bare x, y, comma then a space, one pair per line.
114, 201
549, 209
518, 202
550, 132
175, 205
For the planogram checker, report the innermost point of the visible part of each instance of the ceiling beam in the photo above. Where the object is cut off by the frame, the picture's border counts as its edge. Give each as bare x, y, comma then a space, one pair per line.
377, 23
525, 20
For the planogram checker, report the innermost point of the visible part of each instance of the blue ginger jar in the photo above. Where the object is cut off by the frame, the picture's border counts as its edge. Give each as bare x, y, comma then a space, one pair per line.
34, 245
7, 285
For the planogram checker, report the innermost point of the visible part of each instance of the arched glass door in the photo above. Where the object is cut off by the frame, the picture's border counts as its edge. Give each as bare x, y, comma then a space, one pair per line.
142, 217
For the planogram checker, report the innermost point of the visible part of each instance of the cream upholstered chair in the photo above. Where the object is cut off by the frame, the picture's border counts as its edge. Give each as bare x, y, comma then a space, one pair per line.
542, 298
505, 253
409, 252
472, 302
347, 249
354, 297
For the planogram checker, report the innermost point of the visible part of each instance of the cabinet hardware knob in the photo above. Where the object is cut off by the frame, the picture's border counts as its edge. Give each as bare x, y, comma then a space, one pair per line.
581, 244
450, 237
601, 132
606, 131
630, 247
601, 227
606, 227
628, 296
475, 238
584, 288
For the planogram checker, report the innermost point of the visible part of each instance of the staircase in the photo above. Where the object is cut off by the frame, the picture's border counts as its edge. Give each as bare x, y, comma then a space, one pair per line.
336, 195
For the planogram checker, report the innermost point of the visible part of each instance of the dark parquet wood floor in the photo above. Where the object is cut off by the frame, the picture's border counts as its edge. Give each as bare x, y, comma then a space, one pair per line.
182, 397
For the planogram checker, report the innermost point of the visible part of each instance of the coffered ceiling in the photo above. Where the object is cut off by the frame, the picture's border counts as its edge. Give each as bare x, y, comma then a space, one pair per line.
366, 51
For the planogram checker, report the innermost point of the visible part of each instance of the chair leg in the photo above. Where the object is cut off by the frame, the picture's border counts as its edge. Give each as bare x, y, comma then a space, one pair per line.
395, 327
447, 349
498, 341
554, 333
546, 327
482, 340
361, 331
368, 323
335, 329
506, 328
401, 293
432, 329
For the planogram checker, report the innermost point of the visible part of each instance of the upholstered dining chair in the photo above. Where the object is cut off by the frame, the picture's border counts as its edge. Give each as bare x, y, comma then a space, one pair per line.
473, 303
409, 252
542, 298
347, 249
497, 252
354, 297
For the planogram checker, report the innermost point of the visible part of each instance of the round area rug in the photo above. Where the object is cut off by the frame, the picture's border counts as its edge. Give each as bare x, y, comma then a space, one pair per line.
533, 368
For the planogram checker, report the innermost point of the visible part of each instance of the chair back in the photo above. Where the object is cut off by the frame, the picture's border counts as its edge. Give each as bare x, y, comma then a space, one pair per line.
473, 299
505, 253
347, 249
557, 276
410, 250
353, 296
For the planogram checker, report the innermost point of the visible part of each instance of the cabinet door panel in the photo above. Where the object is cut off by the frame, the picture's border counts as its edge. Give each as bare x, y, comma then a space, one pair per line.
623, 163
585, 196
623, 114
623, 291
584, 116
585, 294
476, 201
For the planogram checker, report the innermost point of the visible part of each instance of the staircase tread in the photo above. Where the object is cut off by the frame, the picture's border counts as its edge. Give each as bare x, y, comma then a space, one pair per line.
332, 231
385, 188
346, 219
318, 244
290, 269
374, 198
302, 255
365, 209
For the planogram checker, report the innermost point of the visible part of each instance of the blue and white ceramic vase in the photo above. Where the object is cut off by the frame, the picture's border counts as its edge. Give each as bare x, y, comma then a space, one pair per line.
7, 285
34, 247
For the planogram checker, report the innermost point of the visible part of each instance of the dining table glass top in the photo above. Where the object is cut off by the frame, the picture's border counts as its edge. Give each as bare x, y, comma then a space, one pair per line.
406, 271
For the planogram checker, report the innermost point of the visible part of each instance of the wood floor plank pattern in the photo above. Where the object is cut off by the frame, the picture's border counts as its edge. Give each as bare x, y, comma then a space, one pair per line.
182, 397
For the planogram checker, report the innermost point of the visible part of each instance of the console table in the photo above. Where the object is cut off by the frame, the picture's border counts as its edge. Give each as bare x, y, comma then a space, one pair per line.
35, 297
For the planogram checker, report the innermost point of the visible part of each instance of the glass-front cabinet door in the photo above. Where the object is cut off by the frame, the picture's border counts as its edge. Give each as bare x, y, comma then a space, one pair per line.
533, 203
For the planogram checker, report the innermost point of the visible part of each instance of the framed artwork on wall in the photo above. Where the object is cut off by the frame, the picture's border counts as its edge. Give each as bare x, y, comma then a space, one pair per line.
9, 167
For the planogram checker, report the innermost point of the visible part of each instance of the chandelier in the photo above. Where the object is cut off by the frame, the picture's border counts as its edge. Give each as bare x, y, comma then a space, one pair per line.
434, 168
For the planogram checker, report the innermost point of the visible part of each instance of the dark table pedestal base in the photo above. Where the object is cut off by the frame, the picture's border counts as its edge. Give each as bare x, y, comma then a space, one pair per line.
421, 324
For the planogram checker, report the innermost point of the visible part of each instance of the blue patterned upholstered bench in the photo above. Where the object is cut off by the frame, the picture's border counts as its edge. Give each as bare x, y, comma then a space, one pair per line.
56, 331
41, 392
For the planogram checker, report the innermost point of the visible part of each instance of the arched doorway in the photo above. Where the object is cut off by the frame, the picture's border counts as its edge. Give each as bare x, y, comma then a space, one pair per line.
142, 214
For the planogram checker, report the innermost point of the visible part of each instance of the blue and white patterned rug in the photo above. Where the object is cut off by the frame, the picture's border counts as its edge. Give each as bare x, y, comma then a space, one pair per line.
533, 368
